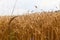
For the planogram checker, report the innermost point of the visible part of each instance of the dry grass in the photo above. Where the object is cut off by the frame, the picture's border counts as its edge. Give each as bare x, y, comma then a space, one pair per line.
37, 26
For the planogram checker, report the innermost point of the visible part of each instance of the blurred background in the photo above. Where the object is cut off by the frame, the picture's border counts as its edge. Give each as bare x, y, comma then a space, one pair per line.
19, 7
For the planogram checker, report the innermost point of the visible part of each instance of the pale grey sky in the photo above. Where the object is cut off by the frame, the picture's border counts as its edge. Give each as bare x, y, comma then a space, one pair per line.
22, 6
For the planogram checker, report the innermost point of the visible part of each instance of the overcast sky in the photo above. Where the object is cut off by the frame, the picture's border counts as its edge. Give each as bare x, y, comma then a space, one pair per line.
23, 6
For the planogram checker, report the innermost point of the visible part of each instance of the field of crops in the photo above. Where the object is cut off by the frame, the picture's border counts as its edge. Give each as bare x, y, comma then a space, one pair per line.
35, 26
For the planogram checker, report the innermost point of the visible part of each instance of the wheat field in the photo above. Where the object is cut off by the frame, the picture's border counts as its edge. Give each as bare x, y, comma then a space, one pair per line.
35, 26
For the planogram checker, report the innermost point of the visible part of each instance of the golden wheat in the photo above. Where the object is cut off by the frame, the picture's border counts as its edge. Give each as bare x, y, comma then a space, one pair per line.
36, 26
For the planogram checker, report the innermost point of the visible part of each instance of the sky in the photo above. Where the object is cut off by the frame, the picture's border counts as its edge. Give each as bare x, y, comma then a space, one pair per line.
25, 6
